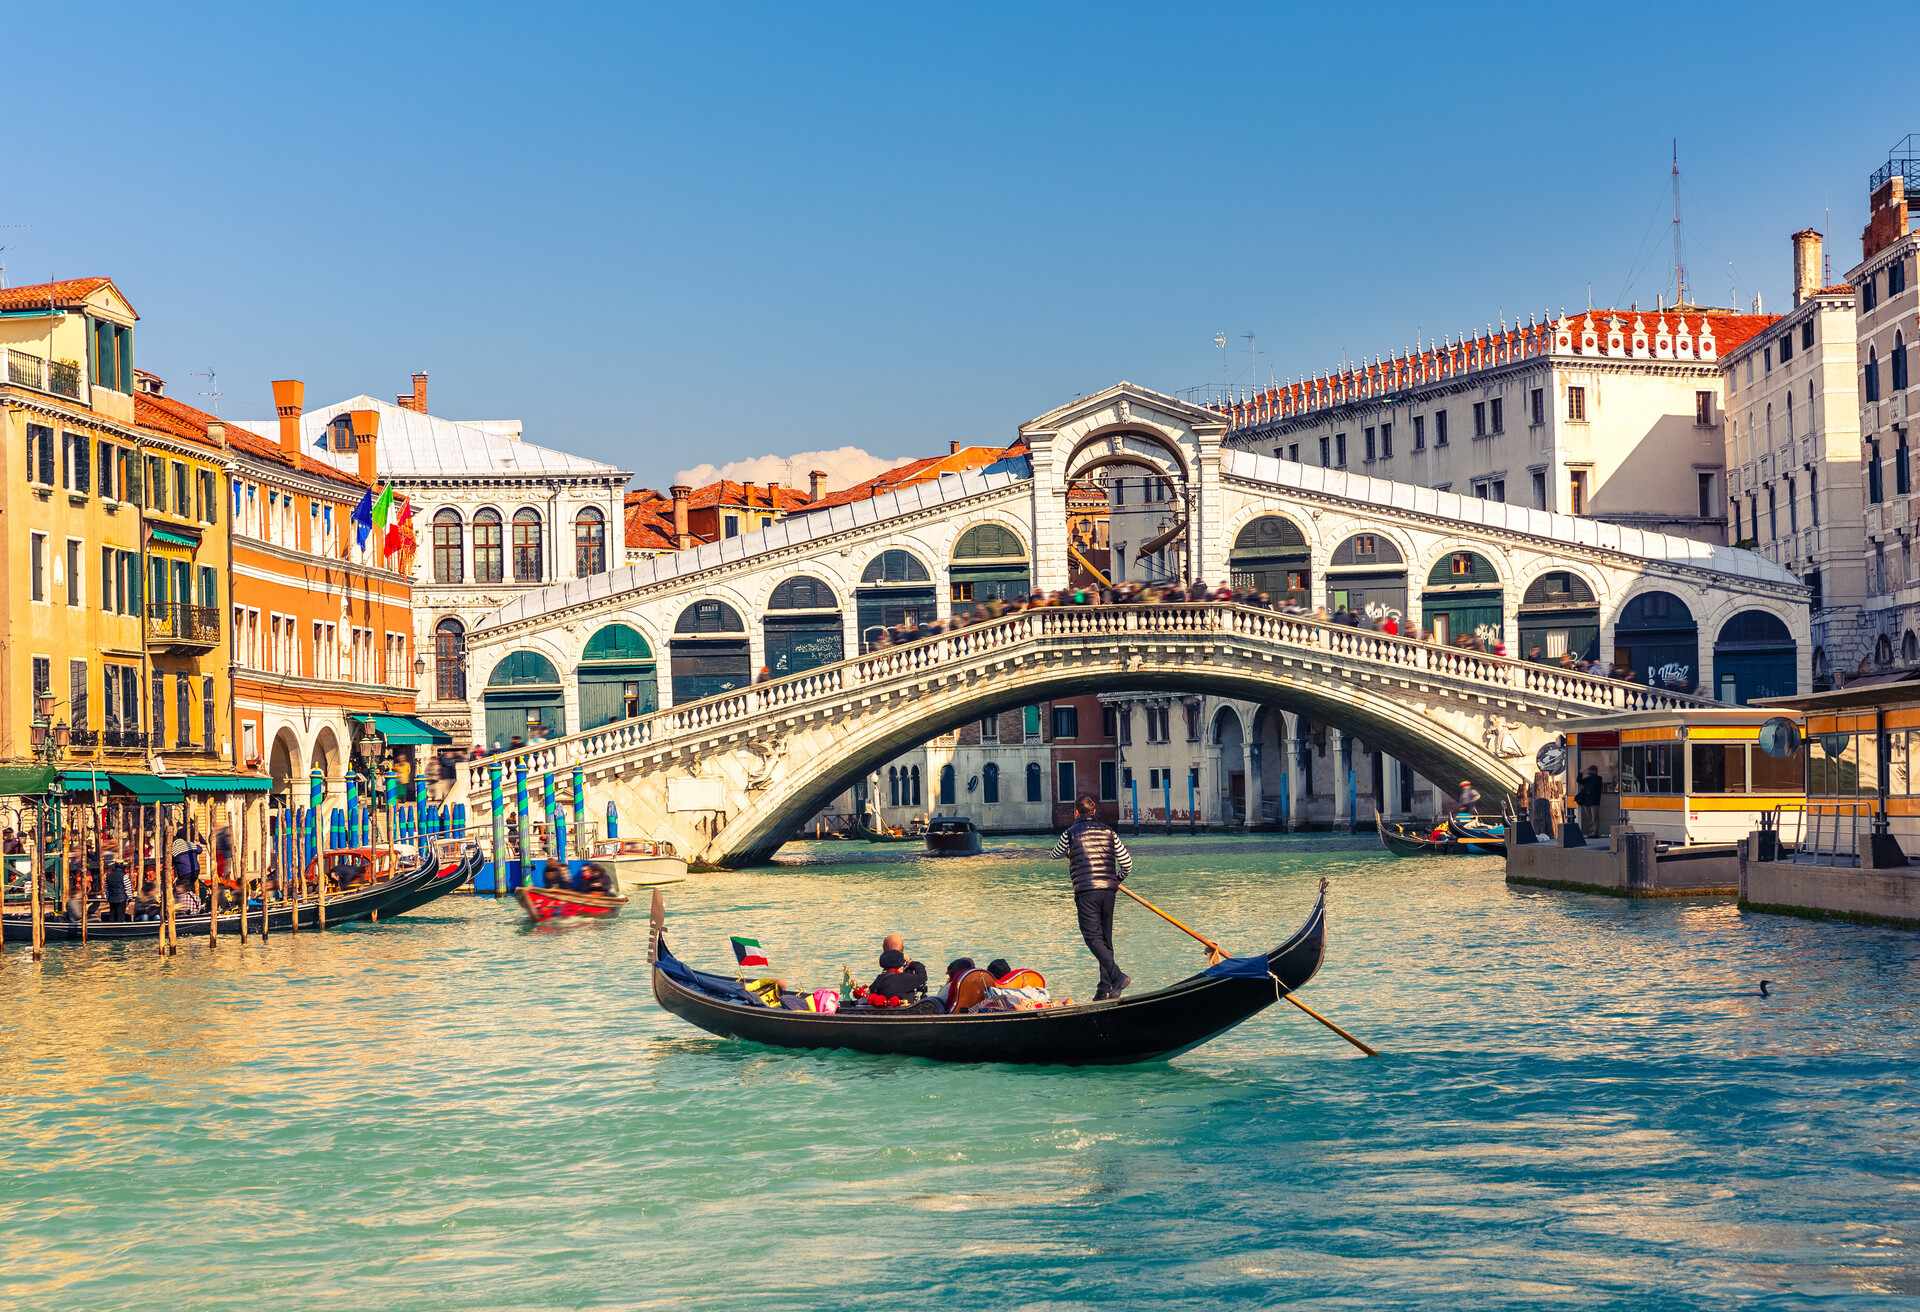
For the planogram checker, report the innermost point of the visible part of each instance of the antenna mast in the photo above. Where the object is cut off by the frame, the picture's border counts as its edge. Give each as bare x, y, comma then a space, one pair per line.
1679, 259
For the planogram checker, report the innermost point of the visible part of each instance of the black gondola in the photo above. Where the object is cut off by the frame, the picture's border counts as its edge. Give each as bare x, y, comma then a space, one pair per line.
952, 835
1456, 841
1156, 1025
381, 901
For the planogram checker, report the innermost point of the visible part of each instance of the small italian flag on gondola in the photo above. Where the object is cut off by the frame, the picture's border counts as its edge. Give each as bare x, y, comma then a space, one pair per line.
747, 952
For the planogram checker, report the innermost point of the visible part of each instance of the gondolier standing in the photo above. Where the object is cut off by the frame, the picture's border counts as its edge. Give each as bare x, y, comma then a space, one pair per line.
1097, 861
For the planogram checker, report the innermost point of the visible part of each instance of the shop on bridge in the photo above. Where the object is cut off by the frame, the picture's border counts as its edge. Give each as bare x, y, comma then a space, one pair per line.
524, 700
618, 678
1271, 555
1463, 599
803, 626
989, 563
1656, 642
1754, 656
1559, 615
895, 588
1368, 574
710, 652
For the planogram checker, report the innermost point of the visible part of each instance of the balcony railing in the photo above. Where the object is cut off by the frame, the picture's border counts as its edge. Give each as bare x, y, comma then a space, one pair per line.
24, 369
181, 625
113, 737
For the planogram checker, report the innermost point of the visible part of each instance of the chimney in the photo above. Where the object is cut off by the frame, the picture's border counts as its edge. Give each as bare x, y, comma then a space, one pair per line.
953, 448
773, 495
1886, 216
816, 482
1806, 264
419, 405
366, 436
681, 538
217, 434
289, 398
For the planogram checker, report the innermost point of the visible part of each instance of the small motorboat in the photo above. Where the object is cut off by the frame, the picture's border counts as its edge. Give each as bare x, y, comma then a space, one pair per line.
952, 835
545, 904
1450, 838
638, 862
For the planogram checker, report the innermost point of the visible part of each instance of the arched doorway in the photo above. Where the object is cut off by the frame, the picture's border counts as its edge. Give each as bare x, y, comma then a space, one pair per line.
803, 626
895, 588
1368, 574
618, 677
1271, 555
283, 765
989, 563
1657, 641
1128, 508
1559, 615
1754, 657
1463, 600
523, 700
710, 652
1232, 745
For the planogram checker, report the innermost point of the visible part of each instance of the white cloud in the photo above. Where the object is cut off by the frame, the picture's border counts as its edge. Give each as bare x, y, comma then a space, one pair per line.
844, 466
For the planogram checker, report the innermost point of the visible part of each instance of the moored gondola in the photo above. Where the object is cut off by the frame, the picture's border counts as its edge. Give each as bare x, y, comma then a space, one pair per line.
1441, 840
1145, 1027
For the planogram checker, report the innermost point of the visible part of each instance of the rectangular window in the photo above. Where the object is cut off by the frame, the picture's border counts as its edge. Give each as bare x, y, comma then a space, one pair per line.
37, 566
1577, 404
78, 712
1806, 335
1707, 499
1813, 496
1738, 532
1499, 489
40, 455
1419, 432
76, 463
1537, 405
158, 689
1366, 544
1326, 452
42, 681
1539, 489
76, 572
1386, 441
1479, 418
206, 712
1786, 347
1719, 767
182, 711
1368, 438
1577, 492
1340, 450
1063, 782
1703, 409
1109, 781
731, 526
1066, 721
1497, 414
1439, 427
990, 729
109, 563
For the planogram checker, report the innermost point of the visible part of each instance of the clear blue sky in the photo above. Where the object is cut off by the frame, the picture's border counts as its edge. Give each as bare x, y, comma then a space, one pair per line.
715, 232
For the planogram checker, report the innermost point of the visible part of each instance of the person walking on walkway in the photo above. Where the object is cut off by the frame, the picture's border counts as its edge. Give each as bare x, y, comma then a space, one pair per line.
1097, 861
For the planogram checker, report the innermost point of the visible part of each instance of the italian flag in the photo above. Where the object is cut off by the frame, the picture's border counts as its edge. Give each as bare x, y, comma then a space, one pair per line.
747, 952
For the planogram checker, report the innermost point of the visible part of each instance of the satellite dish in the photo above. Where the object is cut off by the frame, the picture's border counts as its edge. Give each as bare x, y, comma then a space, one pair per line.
1552, 757
1220, 340
1780, 738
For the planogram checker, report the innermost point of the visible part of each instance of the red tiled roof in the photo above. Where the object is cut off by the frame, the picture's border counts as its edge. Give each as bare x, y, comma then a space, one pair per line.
751, 496
163, 414
64, 293
649, 521
927, 468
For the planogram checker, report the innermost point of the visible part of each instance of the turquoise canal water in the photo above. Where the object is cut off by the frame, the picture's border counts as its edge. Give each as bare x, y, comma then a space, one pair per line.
1580, 1105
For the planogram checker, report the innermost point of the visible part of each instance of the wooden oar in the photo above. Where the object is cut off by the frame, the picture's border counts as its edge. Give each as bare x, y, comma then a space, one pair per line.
1219, 954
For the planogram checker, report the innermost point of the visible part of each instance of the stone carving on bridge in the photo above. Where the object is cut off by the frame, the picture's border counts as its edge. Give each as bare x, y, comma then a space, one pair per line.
1499, 738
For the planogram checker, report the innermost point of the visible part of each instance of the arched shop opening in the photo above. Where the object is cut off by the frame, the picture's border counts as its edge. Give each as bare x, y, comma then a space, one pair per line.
1657, 640
894, 588
619, 678
803, 626
710, 652
523, 700
1753, 657
1463, 599
1559, 615
989, 563
1271, 555
1368, 574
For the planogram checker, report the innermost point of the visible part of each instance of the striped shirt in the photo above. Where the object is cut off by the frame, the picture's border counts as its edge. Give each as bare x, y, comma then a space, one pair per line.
1096, 858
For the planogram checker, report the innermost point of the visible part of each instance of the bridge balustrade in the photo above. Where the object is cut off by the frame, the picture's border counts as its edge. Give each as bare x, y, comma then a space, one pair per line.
948, 654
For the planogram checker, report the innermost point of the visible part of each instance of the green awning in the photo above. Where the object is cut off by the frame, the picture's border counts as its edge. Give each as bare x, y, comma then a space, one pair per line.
404, 730
226, 783
86, 781
24, 780
148, 788
173, 538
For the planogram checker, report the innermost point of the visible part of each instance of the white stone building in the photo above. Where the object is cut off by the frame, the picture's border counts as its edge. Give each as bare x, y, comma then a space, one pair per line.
1793, 454
495, 516
1613, 414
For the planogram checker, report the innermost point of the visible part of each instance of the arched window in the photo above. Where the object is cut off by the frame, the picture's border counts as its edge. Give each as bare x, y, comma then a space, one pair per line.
803, 626
946, 785
1034, 782
449, 549
526, 545
523, 700
618, 677
449, 661
913, 782
1883, 651
893, 785
895, 566
710, 651
989, 561
488, 559
1873, 374
1909, 648
1899, 361
589, 542
1789, 416
990, 783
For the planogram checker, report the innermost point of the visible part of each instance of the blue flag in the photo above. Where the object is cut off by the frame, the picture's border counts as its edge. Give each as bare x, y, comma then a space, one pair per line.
363, 519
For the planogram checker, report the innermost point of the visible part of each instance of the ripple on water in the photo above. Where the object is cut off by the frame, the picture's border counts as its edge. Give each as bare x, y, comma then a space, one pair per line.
1581, 1104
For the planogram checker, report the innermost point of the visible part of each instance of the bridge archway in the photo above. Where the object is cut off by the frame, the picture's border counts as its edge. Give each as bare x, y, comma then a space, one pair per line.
989, 563
1367, 573
895, 589
1754, 656
1129, 509
1559, 614
523, 700
1463, 599
1271, 555
618, 677
1657, 639
710, 651
1231, 740
803, 626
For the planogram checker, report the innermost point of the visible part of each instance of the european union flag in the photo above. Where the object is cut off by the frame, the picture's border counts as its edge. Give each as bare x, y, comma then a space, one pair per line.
363, 519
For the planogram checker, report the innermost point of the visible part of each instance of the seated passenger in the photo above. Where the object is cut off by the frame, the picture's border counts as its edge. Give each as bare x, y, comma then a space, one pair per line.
999, 969
894, 983
593, 878
955, 970
916, 972
554, 874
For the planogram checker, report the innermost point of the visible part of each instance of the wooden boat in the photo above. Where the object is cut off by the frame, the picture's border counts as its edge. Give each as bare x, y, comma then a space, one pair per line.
1147, 1027
952, 835
1405, 840
544, 904
638, 862
429, 879
886, 836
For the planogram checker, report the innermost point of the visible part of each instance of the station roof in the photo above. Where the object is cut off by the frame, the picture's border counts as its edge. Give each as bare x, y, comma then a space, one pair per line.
417, 445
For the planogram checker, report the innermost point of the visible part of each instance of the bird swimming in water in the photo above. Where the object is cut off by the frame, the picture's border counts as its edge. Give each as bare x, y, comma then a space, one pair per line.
1763, 988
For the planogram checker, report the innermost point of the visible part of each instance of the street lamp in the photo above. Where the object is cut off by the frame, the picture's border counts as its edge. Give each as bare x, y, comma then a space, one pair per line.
48, 738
